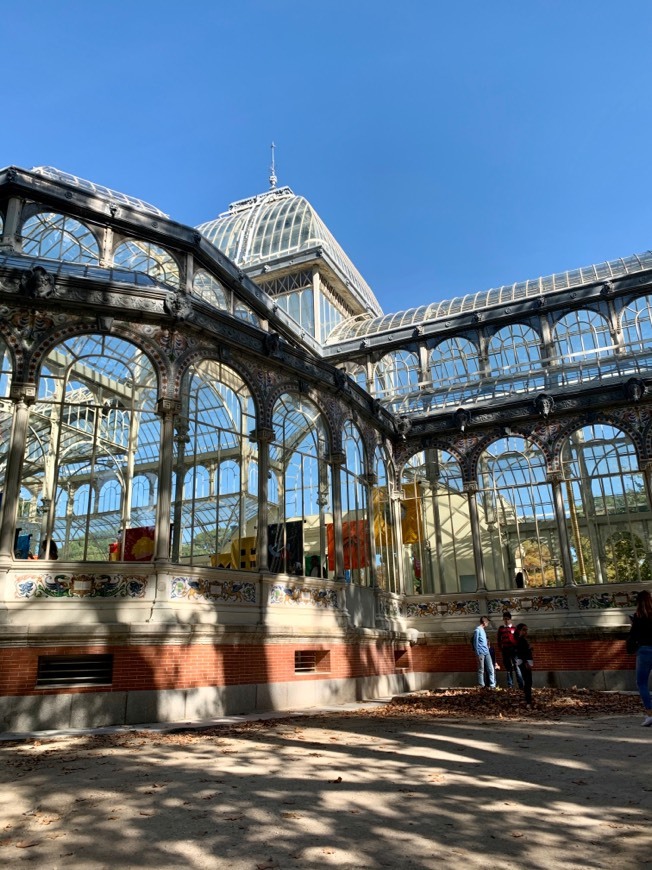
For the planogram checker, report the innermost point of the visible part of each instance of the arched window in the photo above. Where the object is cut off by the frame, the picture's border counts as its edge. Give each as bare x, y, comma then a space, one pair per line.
355, 514
300, 534
140, 493
584, 348
82, 499
515, 359
243, 312
208, 288
636, 325
517, 519
59, 237
606, 506
110, 497
435, 524
197, 483
384, 526
215, 520
397, 374
455, 372
359, 375
229, 478
94, 425
138, 256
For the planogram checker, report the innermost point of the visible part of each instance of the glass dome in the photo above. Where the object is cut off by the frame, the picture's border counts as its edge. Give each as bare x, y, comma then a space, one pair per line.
279, 224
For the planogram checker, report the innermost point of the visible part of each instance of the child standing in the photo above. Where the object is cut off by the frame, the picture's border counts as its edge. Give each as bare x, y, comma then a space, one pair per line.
524, 660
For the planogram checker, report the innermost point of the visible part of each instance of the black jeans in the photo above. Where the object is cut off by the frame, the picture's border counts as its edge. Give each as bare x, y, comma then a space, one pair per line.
511, 668
527, 683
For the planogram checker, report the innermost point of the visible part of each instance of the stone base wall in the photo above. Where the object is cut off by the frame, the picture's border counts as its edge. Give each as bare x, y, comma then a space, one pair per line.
181, 681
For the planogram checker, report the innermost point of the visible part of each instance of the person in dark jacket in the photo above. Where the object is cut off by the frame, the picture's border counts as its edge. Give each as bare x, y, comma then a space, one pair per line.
506, 639
640, 642
525, 661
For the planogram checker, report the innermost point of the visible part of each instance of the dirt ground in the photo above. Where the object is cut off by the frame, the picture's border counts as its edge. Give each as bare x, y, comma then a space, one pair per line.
452, 779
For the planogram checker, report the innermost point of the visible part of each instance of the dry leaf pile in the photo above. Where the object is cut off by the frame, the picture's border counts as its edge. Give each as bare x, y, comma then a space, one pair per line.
509, 704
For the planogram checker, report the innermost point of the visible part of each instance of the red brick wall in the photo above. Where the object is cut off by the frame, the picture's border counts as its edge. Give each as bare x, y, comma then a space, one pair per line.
566, 655
174, 667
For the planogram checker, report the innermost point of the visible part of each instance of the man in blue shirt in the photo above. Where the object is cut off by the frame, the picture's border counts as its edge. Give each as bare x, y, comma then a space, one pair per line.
483, 654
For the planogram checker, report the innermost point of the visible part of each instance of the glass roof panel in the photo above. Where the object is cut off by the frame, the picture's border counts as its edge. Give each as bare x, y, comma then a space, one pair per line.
97, 189
80, 270
363, 325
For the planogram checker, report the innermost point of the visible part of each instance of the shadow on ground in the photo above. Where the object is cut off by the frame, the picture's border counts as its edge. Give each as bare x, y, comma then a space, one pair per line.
347, 790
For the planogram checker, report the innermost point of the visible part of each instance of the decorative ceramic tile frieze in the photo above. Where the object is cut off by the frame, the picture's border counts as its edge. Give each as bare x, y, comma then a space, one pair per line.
528, 604
303, 596
34, 585
202, 589
389, 608
461, 607
605, 600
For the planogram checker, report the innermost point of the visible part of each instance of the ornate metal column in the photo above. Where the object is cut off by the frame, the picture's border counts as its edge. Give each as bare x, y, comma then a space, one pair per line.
263, 438
10, 237
370, 480
336, 460
181, 438
646, 468
22, 396
555, 479
167, 409
471, 489
396, 497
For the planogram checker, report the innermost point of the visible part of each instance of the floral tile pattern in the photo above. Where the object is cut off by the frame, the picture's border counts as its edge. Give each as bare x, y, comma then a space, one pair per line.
389, 607
528, 604
605, 600
202, 589
303, 596
34, 585
461, 607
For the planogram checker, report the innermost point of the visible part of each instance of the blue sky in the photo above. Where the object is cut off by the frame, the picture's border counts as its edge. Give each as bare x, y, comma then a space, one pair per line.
450, 146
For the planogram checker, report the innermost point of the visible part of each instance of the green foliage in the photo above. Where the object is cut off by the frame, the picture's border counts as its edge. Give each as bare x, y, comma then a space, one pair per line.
625, 559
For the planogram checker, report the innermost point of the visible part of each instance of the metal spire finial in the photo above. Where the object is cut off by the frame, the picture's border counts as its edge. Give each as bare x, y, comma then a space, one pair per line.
272, 168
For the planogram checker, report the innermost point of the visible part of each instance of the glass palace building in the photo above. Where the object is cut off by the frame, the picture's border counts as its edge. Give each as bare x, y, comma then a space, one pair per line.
229, 482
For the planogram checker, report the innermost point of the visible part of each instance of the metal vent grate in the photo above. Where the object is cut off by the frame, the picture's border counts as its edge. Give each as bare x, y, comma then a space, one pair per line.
89, 670
310, 661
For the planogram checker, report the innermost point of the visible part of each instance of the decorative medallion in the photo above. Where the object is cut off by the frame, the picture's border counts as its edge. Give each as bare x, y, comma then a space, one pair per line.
35, 585
607, 600
303, 596
443, 608
528, 604
206, 589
